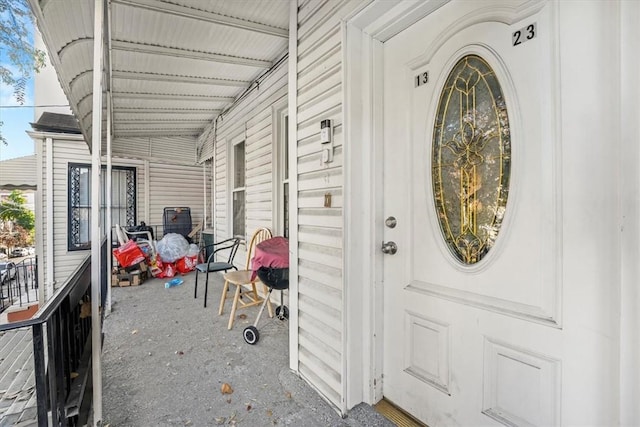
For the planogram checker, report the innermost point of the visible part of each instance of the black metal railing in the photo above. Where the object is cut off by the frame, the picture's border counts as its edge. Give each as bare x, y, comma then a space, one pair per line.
19, 285
61, 333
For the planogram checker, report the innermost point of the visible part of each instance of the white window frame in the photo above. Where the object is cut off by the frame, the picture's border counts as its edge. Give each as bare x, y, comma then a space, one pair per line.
280, 134
231, 171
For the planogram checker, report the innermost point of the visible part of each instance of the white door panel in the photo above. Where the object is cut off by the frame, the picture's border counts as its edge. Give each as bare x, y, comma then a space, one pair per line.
479, 344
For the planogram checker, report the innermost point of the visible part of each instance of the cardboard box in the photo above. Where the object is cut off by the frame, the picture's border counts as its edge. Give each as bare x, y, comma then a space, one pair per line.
124, 282
115, 279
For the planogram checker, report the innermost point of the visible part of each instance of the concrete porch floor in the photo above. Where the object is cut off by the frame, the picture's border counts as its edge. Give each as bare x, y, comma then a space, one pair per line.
166, 358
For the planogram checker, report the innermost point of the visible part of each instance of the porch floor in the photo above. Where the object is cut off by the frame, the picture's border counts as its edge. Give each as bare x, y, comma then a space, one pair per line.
166, 358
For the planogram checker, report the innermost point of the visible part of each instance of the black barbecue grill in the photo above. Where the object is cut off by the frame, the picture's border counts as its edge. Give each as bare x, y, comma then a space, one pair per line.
273, 278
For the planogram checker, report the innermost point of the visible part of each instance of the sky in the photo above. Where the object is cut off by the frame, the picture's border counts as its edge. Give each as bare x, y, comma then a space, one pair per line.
16, 117
16, 121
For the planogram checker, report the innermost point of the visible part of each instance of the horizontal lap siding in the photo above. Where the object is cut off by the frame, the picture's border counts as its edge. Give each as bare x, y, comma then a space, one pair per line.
42, 209
251, 118
320, 229
65, 152
171, 186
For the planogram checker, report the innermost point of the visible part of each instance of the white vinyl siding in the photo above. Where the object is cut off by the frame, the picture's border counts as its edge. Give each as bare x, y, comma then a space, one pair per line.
174, 185
169, 185
65, 152
320, 229
252, 120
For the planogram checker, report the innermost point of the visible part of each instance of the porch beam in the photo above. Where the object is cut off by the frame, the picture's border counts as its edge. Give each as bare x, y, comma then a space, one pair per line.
124, 122
204, 16
176, 111
172, 78
171, 97
172, 127
156, 133
175, 52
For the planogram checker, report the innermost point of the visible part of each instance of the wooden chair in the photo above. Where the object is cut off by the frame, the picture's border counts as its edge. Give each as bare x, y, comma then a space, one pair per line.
244, 297
210, 265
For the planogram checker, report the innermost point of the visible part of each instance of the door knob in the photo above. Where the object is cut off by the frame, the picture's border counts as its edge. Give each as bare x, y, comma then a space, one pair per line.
389, 248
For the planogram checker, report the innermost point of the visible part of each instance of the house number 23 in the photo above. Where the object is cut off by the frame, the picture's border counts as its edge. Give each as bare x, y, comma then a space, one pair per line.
524, 34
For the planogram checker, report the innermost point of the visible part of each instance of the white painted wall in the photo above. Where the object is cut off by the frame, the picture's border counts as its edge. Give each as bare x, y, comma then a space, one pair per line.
159, 185
48, 94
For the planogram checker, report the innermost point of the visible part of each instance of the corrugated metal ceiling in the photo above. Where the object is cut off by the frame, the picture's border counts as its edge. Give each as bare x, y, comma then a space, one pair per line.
175, 65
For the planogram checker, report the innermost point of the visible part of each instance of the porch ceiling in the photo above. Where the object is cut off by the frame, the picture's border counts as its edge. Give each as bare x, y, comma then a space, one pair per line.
171, 66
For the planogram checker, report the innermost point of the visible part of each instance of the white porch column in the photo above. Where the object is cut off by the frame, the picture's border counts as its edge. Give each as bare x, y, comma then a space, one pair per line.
96, 136
293, 185
50, 283
108, 220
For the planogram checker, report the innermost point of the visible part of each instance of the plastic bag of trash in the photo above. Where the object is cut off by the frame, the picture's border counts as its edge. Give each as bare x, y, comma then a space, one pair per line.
193, 250
172, 247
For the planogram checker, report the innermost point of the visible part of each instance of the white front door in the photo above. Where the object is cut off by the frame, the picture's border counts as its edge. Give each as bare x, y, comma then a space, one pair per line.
470, 342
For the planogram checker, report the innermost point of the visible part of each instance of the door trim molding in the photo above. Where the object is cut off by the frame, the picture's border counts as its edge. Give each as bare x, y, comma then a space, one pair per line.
363, 35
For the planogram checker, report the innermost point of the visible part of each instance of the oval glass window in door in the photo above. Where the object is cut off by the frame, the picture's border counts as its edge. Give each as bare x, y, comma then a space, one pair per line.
471, 159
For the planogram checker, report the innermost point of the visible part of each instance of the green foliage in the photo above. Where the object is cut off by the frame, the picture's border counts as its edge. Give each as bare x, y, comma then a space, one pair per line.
13, 209
17, 223
16, 46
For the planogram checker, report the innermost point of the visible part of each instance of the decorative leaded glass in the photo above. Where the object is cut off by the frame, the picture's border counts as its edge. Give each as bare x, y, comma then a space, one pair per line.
131, 196
471, 159
123, 202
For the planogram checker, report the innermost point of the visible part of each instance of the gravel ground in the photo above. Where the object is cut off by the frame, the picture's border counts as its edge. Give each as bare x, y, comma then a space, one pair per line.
166, 359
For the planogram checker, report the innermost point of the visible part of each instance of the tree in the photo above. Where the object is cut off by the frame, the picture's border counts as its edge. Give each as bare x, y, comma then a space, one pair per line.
16, 46
17, 223
12, 236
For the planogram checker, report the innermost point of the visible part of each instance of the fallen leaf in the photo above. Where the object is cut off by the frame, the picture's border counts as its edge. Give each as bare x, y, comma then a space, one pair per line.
180, 353
242, 316
74, 375
229, 400
220, 420
288, 395
269, 413
135, 331
226, 389
188, 423
248, 407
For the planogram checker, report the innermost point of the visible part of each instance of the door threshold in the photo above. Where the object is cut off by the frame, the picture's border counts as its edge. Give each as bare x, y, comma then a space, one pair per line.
396, 415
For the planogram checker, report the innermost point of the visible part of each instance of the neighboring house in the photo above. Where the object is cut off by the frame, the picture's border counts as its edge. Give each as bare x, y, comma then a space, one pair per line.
140, 192
19, 174
466, 286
